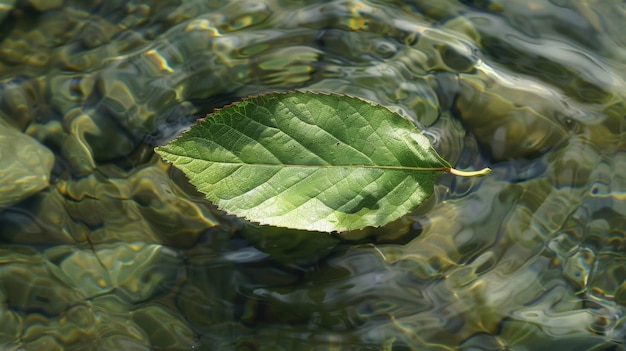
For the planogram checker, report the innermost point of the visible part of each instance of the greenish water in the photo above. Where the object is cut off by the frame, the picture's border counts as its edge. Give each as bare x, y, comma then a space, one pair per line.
104, 247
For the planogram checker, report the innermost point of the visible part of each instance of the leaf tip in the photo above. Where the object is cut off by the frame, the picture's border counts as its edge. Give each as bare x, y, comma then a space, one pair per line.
159, 151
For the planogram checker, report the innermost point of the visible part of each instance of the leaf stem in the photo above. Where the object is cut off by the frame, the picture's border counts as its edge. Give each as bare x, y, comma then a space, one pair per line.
456, 172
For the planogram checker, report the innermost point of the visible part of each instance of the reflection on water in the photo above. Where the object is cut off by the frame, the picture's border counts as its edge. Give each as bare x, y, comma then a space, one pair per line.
105, 247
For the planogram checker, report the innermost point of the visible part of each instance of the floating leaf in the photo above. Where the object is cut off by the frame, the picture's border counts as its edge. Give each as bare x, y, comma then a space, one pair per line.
323, 162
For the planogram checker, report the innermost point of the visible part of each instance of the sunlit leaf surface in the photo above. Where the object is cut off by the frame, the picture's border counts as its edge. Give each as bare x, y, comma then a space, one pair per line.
323, 162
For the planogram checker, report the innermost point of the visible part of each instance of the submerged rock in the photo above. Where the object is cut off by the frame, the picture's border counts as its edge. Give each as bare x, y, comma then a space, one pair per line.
25, 165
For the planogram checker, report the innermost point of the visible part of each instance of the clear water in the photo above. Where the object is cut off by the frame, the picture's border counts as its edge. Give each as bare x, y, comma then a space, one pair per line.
104, 247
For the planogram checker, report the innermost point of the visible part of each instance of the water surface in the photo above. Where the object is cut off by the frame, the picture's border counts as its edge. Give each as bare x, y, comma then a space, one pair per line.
105, 247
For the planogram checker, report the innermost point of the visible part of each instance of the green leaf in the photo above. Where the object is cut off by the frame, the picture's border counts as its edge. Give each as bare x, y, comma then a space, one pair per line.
302, 160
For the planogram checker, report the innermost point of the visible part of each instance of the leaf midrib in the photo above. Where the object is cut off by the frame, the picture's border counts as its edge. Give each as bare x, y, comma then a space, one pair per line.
381, 167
